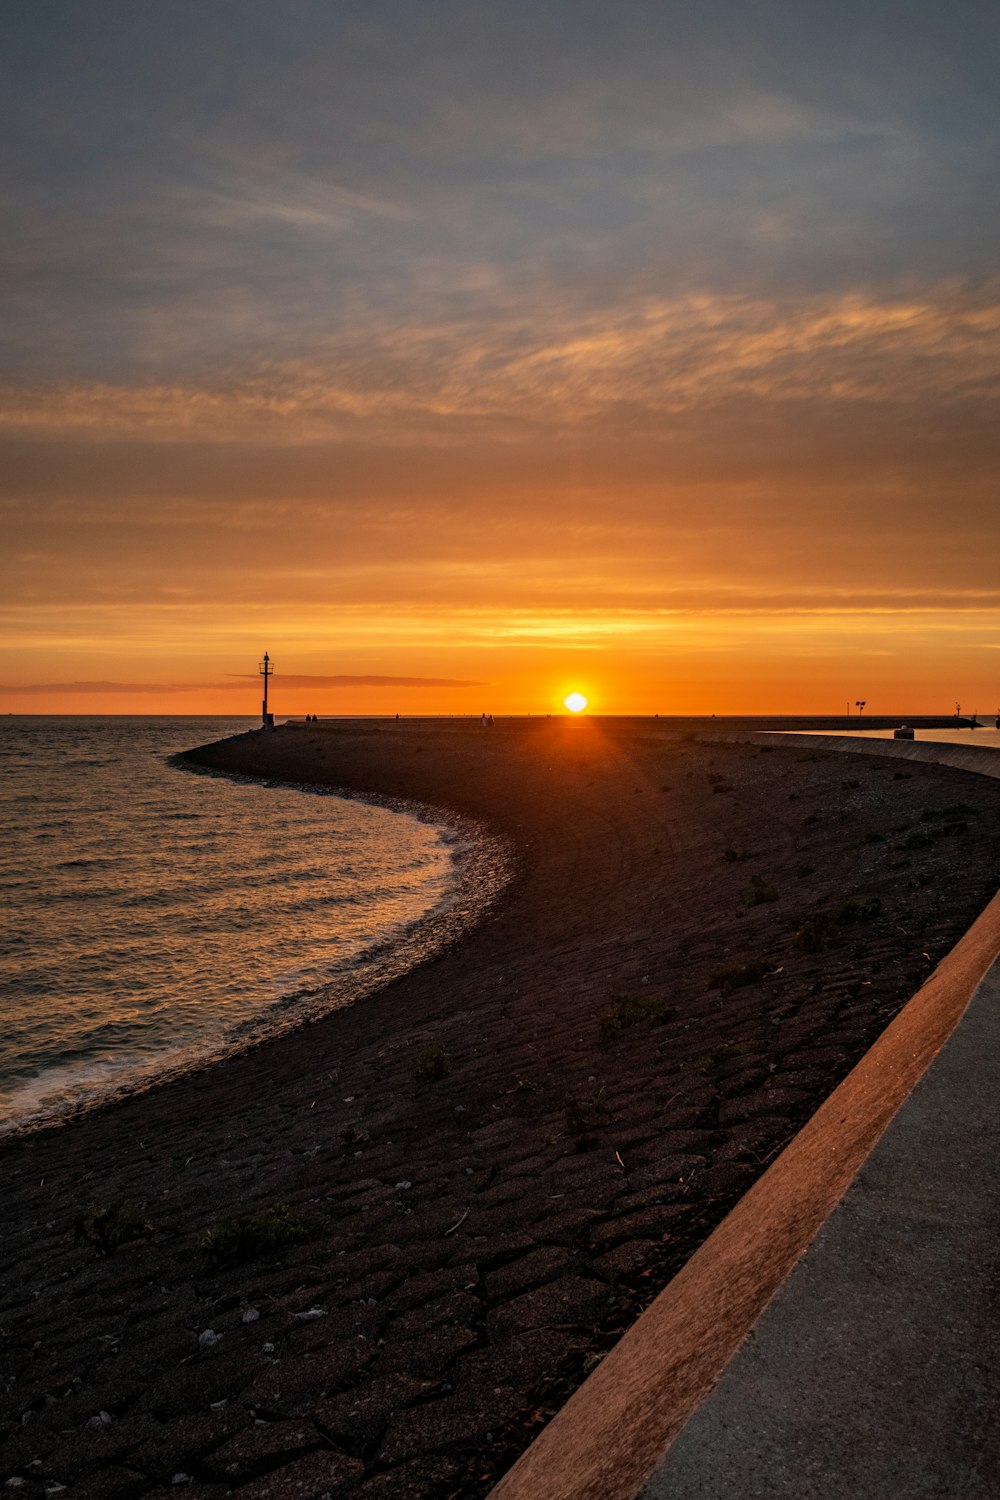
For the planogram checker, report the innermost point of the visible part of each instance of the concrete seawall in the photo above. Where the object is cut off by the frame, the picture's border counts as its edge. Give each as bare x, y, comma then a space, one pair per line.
674, 1409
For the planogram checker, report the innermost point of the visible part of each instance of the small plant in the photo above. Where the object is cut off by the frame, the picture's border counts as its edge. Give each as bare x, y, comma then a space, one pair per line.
232, 1241
723, 1053
823, 929
818, 933
849, 912
431, 1063
735, 976
111, 1226
632, 1010
731, 856
761, 892
947, 822
585, 1113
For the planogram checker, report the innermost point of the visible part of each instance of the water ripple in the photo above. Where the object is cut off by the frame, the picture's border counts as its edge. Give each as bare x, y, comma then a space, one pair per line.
162, 916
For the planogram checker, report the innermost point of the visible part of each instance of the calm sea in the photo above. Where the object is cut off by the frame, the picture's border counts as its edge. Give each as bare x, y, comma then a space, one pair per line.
154, 917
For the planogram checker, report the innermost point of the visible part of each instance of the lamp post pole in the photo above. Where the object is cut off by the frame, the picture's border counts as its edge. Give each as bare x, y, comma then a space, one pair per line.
266, 671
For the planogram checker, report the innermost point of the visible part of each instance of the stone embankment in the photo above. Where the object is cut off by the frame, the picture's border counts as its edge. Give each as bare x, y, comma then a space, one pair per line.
498, 1160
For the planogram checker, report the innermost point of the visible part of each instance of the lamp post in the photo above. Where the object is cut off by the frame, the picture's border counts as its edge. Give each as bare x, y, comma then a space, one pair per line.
859, 704
266, 671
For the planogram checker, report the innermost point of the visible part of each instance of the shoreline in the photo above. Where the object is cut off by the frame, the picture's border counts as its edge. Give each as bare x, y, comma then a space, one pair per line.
479, 872
482, 1238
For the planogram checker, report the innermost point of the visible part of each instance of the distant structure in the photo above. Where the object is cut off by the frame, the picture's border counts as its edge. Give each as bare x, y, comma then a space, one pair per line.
266, 671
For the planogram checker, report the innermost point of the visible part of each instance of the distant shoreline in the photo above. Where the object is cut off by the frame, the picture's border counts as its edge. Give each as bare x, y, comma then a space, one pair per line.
818, 722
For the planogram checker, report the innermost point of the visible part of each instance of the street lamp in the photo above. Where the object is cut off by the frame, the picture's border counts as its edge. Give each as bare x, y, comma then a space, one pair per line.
859, 704
266, 671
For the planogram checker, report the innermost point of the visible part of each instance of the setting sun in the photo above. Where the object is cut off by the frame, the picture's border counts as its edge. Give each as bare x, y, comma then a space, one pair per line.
575, 702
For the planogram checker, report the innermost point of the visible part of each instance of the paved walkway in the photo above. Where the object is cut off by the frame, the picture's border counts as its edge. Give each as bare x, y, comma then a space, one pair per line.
875, 1371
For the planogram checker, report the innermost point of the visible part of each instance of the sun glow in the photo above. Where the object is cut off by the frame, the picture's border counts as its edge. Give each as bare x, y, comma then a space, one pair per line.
575, 702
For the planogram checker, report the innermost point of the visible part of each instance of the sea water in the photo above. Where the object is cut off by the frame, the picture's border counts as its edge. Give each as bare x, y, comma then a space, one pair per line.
154, 917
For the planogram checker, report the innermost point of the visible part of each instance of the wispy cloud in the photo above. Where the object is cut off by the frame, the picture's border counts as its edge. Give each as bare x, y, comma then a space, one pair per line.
290, 680
656, 358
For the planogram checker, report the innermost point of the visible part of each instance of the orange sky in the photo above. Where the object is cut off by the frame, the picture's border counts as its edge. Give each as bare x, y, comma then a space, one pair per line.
655, 355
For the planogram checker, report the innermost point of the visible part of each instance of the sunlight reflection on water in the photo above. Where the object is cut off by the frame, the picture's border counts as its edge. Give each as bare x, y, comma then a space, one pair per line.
156, 915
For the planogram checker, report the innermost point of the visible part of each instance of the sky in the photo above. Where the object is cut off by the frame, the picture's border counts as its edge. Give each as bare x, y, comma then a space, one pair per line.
461, 354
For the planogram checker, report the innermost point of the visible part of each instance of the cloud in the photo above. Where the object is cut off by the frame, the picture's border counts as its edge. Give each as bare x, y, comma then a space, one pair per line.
40, 688
238, 685
654, 359
303, 680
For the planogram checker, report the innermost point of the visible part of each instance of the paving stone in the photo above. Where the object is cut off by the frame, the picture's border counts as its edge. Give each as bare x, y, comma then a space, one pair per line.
322, 1475
666, 1171
429, 1357
626, 1260
20, 1445
567, 1226
649, 1197
75, 1409
112, 1483
659, 1220
190, 1491
541, 1265
465, 1417
754, 1140
495, 1250
375, 1288
288, 1386
423, 1288
726, 1180
197, 1386
421, 1479
430, 1223
341, 1325
457, 1307
176, 1446
261, 1445
570, 1301
768, 1101
83, 1452
521, 1362
360, 1416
